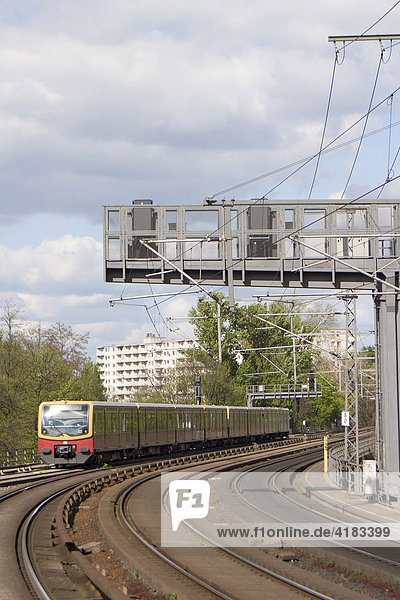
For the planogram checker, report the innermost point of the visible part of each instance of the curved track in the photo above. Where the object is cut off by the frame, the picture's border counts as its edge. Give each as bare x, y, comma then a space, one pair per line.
216, 563
252, 578
21, 577
17, 571
255, 573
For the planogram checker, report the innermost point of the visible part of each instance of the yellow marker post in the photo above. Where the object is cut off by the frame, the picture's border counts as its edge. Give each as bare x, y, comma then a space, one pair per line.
325, 453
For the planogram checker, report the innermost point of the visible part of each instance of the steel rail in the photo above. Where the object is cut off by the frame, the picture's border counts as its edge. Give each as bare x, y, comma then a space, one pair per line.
339, 544
181, 461
28, 566
190, 575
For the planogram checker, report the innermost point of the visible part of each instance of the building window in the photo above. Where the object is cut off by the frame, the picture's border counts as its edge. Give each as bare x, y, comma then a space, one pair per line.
201, 220
262, 246
289, 218
114, 249
113, 220
171, 220
314, 218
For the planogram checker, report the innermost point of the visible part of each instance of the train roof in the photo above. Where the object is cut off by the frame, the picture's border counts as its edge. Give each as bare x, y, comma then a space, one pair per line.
154, 405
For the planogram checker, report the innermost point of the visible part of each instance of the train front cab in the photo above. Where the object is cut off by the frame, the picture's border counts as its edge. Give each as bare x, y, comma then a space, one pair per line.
65, 432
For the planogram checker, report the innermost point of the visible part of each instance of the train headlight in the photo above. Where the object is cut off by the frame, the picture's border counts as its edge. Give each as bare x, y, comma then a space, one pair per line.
44, 431
84, 430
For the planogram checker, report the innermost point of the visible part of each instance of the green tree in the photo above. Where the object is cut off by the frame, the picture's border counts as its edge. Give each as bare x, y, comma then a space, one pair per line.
69, 344
86, 385
38, 364
255, 339
265, 344
323, 411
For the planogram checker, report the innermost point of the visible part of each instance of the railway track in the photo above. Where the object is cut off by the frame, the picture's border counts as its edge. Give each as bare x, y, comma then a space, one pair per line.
252, 579
26, 515
255, 577
75, 578
36, 537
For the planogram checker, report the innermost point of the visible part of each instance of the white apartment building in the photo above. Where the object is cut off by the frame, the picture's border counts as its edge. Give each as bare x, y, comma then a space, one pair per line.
332, 340
125, 369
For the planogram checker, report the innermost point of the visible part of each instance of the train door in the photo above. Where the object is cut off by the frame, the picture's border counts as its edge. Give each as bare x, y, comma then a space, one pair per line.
224, 422
171, 424
112, 429
140, 426
210, 424
219, 423
259, 421
126, 425
150, 420
98, 428
134, 426
163, 431
231, 422
180, 426
267, 421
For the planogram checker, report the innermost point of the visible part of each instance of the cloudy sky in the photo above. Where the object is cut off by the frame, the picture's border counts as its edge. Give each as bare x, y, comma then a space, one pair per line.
104, 101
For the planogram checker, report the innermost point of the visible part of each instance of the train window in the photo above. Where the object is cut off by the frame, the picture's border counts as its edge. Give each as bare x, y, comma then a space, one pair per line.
212, 419
114, 422
126, 422
141, 416
71, 419
111, 421
171, 420
135, 420
150, 420
99, 422
161, 420
196, 419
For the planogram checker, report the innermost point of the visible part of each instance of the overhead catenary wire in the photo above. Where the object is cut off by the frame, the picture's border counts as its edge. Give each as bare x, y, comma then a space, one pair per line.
366, 118
365, 125
329, 144
305, 160
373, 25
345, 45
264, 197
300, 229
335, 62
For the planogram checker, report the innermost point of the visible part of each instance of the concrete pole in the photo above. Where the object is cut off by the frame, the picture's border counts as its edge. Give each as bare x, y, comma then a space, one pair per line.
219, 333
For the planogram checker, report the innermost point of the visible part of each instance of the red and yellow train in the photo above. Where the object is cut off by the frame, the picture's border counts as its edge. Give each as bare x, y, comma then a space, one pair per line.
80, 432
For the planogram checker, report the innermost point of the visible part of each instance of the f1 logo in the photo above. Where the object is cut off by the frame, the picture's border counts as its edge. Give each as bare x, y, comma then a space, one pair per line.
188, 499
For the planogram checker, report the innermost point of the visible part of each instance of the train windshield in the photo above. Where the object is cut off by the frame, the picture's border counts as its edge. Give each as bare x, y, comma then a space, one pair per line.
72, 419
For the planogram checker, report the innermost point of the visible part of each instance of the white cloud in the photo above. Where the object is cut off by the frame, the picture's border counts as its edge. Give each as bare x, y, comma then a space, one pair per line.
158, 98
67, 263
102, 102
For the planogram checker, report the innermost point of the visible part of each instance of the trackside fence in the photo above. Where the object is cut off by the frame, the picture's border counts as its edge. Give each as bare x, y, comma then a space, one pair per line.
339, 469
19, 457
